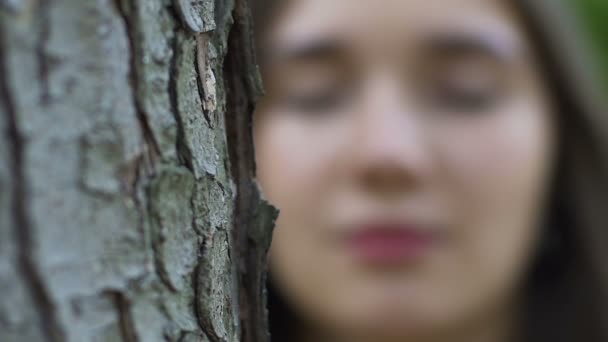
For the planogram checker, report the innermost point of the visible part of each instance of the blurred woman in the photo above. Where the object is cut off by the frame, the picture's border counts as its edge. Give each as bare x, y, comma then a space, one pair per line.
440, 171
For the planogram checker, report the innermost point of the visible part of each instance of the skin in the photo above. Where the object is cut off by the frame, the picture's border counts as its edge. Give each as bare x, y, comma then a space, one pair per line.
424, 112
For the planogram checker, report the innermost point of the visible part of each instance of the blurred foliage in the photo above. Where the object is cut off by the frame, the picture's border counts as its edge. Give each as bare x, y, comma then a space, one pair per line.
594, 14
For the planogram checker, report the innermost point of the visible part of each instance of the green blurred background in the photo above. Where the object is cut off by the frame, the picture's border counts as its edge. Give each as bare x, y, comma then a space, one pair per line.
595, 15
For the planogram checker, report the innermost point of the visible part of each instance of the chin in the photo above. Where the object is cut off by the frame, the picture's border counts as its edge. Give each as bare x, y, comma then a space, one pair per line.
395, 327
395, 317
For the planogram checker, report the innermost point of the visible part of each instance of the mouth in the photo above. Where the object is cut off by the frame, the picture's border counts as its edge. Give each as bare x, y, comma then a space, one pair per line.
389, 244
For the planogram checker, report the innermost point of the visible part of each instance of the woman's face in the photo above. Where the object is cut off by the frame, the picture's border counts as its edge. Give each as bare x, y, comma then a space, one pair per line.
408, 146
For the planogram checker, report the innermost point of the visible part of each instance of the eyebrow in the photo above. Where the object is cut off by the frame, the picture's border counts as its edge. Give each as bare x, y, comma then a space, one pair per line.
312, 49
501, 48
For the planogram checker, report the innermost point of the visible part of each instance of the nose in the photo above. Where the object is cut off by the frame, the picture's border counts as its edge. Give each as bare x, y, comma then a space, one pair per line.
390, 147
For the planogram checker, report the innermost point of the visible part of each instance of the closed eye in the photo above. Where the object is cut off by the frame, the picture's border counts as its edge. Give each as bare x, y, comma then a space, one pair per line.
316, 101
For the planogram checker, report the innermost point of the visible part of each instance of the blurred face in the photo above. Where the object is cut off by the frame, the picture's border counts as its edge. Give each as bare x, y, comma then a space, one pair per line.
408, 145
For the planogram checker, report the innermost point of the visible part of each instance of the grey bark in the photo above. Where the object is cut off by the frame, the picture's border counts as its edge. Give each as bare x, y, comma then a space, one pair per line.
128, 204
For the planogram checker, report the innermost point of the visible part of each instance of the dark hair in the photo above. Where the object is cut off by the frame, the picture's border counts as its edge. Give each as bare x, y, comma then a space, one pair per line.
567, 288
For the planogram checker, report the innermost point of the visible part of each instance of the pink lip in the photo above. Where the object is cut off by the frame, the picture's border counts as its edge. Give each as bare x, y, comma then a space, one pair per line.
390, 244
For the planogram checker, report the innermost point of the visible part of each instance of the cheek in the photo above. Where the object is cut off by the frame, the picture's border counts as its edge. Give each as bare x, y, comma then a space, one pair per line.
294, 169
284, 168
496, 173
294, 159
511, 149
500, 162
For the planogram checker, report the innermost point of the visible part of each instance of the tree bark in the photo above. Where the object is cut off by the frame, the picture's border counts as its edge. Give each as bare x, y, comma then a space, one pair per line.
128, 204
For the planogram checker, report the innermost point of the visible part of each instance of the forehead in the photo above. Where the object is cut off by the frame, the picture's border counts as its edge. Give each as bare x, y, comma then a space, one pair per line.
387, 24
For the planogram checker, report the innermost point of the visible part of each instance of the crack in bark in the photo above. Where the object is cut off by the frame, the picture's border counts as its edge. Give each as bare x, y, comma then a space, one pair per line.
125, 319
251, 251
184, 154
127, 10
201, 70
157, 242
144, 164
51, 328
202, 321
44, 64
140, 206
195, 278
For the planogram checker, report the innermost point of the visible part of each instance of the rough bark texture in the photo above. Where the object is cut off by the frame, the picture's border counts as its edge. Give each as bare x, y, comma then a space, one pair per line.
128, 206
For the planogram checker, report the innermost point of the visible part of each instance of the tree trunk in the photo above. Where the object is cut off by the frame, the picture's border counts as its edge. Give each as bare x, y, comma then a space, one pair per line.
128, 207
